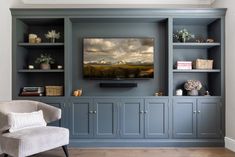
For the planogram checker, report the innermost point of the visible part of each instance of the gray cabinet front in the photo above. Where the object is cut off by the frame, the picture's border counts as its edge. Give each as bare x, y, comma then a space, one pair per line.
184, 118
105, 118
209, 118
156, 118
81, 118
132, 114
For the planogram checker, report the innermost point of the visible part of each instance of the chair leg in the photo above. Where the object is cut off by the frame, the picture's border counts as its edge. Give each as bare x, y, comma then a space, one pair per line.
65, 149
5, 155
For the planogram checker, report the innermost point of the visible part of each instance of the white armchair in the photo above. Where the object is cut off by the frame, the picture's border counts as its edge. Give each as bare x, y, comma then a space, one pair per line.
33, 140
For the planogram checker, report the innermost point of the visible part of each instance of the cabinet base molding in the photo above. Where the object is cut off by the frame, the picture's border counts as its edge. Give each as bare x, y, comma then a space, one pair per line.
146, 143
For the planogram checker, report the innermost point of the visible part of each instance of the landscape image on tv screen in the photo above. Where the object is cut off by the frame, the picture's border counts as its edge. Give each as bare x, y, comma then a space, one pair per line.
116, 58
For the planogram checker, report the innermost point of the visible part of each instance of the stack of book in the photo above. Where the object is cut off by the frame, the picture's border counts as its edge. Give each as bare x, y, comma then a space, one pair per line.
32, 91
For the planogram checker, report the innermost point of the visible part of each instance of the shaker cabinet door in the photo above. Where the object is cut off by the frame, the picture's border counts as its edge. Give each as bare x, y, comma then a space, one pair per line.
209, 118
105, 118
184, 118
156, 118
132, 118
81, 119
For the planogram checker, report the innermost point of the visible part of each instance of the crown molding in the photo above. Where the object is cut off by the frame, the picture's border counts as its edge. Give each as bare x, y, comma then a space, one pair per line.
160, 2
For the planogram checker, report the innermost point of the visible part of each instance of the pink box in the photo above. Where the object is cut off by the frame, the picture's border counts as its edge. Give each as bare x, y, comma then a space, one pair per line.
184, 65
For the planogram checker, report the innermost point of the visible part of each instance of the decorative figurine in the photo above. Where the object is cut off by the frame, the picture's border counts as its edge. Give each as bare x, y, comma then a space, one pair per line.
179, 92
52, 35
77, 92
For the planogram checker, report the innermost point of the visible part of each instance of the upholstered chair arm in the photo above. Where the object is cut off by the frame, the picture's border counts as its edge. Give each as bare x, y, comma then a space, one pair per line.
3, 122
50, 113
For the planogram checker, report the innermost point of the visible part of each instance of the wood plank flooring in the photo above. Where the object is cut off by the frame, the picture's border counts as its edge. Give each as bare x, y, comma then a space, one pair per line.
140, 152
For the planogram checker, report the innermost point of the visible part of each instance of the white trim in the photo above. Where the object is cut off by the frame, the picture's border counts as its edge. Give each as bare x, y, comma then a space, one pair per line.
229, 143
161, 2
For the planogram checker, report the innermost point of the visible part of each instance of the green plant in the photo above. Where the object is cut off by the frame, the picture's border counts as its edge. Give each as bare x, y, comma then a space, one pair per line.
183, 35
44, 59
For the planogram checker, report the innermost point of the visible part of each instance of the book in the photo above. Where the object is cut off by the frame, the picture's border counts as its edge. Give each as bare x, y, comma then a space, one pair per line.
30, 94
33, 89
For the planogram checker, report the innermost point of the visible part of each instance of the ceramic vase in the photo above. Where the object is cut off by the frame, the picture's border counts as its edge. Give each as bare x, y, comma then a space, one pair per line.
45, 66
193, 92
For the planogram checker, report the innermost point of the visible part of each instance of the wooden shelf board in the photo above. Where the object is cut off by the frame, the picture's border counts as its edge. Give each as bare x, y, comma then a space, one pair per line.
194, 45
196, 71
40, 44
39, 70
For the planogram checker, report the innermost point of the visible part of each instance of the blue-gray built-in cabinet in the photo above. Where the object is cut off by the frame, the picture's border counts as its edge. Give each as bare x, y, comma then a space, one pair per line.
127, 116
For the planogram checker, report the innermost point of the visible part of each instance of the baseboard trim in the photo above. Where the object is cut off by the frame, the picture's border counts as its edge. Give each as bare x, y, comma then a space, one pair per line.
229, 143
146, 143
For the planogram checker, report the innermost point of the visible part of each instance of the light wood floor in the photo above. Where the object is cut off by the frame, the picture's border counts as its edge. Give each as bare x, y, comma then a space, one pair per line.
140, 152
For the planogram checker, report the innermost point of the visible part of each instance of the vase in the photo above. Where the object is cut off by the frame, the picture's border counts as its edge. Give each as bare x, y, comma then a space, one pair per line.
52, 40
183, 40
45, 66
192, 92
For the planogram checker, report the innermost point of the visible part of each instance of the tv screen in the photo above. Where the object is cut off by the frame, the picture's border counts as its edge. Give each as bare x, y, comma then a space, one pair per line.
118, 58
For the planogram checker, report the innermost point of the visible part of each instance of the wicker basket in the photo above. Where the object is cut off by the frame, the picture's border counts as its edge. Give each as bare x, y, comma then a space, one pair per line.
54, 90
203, 64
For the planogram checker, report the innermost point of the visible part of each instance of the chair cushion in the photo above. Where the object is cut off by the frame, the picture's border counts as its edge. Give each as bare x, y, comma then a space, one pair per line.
20, 121
31, 141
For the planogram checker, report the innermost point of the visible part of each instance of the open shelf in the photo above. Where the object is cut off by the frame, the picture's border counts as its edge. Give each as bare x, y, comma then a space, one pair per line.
194, 45
40, 44
196, 71
40, 71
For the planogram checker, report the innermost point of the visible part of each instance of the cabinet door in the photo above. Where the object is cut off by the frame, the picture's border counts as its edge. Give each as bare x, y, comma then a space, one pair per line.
209, 118
61, 105
105, 118
184, 118
132, 114
81, 121
156, 118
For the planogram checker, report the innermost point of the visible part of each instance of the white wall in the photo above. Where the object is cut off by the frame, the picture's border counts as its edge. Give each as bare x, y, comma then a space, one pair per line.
230, 70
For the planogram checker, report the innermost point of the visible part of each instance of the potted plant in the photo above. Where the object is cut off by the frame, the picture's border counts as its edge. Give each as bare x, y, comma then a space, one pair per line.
52, 35
45, 60
192, 87
183, 35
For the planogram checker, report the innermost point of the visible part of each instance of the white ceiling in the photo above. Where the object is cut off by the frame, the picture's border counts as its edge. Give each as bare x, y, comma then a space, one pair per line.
160, 2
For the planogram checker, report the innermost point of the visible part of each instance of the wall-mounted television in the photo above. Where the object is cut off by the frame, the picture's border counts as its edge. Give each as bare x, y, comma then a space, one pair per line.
118, 58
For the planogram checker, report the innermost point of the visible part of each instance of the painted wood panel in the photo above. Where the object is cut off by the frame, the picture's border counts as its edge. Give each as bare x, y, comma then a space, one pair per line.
209, 118
184, 118
156, 118
132, 118
105, 118
81, 118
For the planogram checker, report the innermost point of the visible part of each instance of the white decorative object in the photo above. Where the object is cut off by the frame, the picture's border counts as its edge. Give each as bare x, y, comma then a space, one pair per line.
59, 67
52, 35
179, 92
31, 67
20, 121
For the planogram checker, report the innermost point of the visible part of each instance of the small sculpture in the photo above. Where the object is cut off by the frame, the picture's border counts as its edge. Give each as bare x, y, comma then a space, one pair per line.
77, 92
209, 40
52, 35
179, 92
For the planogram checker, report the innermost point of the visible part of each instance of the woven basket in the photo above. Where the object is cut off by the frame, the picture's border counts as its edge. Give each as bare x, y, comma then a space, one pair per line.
54, 90
203, 64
